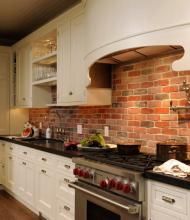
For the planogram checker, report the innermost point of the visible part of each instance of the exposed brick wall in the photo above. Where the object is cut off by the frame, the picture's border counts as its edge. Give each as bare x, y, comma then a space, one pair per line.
140, 111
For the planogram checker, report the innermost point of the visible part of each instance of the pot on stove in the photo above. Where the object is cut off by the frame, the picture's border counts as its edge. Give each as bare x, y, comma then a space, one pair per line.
128, 149
171, 150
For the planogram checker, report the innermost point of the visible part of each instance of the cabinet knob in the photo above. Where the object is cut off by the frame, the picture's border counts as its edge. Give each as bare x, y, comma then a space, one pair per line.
10, 158
24, 152
67, 166
23, 99
70, 93
23, 163
66, 208
66, 180
43, 171
44, 159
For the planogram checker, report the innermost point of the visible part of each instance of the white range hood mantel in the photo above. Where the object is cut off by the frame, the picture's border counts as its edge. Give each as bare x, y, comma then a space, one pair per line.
162, 23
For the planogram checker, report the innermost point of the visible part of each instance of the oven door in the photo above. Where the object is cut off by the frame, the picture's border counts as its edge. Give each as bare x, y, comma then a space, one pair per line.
92, 203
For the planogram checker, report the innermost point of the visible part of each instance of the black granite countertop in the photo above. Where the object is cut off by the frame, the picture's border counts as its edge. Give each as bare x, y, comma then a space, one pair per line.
164, 178
50, 146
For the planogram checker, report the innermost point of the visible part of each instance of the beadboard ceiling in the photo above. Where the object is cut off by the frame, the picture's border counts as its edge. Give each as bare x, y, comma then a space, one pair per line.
18, 18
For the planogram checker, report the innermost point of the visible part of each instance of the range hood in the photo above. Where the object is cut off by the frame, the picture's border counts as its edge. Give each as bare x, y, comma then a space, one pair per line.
139, 54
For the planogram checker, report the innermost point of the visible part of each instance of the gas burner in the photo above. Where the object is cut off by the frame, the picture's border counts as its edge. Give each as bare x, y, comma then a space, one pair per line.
138, 162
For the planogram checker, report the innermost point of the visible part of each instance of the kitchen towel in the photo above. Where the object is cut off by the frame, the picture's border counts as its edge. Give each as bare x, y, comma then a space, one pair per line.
173, 167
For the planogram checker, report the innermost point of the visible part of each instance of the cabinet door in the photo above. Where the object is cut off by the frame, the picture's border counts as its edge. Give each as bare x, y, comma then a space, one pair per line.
23, 76
64, 211
4, 91
26, 181
45, 192
63, 63
11, 173
160, 215
71, 75
77, 70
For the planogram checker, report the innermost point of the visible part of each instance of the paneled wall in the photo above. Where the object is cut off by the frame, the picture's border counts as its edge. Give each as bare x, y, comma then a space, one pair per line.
140, 109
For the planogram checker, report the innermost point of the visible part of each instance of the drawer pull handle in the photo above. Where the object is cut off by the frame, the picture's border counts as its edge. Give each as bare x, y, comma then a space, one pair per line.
168, 199
44, 159
23, 163
67, 166
10, 158
67, 208
43, 171
3, 144
24, 152
11, 148
66, 180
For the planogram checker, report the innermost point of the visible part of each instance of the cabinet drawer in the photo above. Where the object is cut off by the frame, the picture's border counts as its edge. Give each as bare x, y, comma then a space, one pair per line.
66, 165
63, 190
12, 149
26, 153
169, 197
46, 159
64, 211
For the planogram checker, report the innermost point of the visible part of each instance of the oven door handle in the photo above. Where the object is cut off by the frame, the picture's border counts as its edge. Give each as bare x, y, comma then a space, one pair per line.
131, 209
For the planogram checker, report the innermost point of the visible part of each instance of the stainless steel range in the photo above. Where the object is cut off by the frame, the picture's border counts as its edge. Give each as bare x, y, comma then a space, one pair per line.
110, 186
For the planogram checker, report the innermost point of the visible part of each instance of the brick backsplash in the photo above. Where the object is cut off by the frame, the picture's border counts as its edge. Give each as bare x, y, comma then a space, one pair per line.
140, 106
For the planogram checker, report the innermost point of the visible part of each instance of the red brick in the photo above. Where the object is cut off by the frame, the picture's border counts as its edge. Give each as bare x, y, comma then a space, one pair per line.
184, 73
161, 69
154, 131
177, 80
184, 131
169, 131
178, 95
147, 97
146, 111
134, 73
162, 82
133, 85
173, 117
162, 124
133, 123
146, 84
133, 135
169, 89
153, 117
134, 98
170, 74
134, 110
161, 110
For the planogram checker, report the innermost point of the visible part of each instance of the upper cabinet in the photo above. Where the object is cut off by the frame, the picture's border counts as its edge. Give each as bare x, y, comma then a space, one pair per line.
72, 78
44, 69
23, 76
51, 70
4, 90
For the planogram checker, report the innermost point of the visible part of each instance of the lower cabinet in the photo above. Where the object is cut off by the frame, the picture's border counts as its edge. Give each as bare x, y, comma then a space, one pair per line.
39, 180
167, 202
26, 181
45, 191
64, 211
11, 173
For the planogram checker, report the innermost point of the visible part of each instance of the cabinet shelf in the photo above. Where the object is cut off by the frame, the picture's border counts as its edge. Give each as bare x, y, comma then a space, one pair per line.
46, 59
46, 82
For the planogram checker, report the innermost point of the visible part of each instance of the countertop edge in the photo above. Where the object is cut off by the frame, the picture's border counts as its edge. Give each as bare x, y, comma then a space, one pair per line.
168, 179
65, 153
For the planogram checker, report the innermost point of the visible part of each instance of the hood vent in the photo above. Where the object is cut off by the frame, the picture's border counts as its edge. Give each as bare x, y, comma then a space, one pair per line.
139, 54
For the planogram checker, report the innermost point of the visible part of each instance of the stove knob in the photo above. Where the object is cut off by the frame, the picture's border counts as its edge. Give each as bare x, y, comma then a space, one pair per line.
81, 173
119, 185
127, 188
76, 171
112, 183
86, 174
104, 183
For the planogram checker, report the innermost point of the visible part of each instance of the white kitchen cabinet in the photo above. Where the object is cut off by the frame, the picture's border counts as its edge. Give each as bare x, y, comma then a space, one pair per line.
26, 181
64, 211
4, 90
23, 77
45, 191
2, 162
71, 72
11, 173
167, 202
